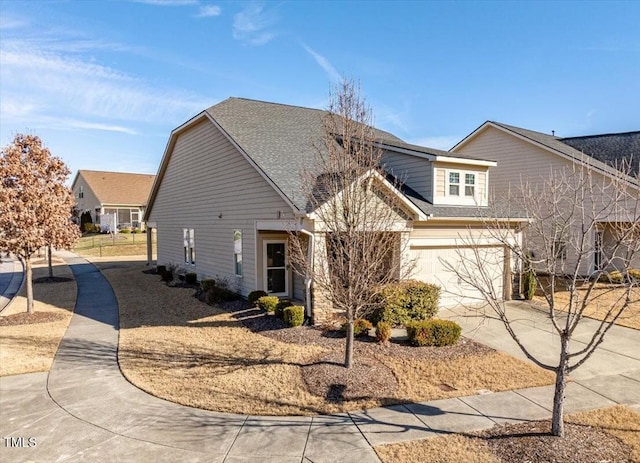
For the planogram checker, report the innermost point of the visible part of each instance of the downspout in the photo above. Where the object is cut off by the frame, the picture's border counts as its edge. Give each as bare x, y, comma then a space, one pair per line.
308, 279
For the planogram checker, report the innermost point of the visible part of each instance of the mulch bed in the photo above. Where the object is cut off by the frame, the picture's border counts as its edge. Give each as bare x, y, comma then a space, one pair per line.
25, 318
327, 377
533, 442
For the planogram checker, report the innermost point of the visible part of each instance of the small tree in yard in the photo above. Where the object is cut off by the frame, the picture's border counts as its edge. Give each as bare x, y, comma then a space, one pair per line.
565, 212
35, 204
355, 207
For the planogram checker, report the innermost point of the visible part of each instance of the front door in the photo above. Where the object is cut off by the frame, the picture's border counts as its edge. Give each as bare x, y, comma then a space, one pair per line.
276, 275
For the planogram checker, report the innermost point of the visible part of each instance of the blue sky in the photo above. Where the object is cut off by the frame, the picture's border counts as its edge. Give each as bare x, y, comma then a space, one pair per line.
104, 82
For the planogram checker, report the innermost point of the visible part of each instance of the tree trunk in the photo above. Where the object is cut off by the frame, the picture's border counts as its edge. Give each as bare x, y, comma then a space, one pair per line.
29, 278
348, 352
557, 420
49, 259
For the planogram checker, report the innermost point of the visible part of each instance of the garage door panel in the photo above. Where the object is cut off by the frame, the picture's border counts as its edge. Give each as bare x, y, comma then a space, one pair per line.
432, 266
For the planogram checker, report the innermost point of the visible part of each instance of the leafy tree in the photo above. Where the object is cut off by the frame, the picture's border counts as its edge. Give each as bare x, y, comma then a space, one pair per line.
35, 203
358, 246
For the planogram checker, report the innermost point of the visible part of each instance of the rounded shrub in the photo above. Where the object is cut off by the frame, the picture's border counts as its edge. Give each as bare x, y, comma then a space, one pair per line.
361, 327
191, 278
255, 295
125, 230
405, 301
294, 315
383, 332
268, 303
207, 284
436, 333
283, 304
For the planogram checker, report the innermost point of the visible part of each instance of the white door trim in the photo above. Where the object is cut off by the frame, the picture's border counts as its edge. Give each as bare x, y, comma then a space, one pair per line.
265, 270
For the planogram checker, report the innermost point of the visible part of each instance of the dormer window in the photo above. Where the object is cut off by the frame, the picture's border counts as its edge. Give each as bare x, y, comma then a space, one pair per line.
454, 183
81, 192
469, 184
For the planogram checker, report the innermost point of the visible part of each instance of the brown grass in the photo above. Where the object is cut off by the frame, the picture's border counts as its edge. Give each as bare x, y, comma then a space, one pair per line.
619, 421
180, 349
603, 297
29, 348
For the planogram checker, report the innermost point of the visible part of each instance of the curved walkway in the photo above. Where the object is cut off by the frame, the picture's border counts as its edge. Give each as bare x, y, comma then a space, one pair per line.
84, 409
11, 279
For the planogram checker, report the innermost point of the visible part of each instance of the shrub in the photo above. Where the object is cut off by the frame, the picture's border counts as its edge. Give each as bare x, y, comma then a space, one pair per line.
617, 277
88, 227
96, 228
283, 304
407, 300
255, 295
383, 332
136, 231
433, 333
191, 278
167, 275
268, 303
635, 274
207, 284
125, 230
160, 269
294, 315
218, 291
361, 327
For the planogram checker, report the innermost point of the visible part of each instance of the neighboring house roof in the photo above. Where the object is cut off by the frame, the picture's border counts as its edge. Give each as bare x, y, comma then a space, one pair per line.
604, 152
118, 188
612, 148
281, 141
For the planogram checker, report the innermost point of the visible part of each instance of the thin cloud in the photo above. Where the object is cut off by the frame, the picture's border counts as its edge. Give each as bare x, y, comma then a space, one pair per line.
167, 2
324, 63
251, 25
442, 143
209, 11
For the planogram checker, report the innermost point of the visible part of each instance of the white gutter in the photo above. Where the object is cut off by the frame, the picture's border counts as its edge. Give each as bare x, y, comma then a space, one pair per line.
308, 279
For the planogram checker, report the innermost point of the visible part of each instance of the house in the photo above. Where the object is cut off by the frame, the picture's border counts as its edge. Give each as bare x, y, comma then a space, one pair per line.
117, 195
523, 154
229, 188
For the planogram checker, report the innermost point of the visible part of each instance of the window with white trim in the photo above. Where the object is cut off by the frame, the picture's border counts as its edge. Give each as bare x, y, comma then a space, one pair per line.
237, 252
455, 177
189, 246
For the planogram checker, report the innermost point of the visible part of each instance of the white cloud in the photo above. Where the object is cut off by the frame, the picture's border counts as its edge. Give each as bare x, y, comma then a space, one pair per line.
442, 142
167, 2
252, 24
208, 11
324, 63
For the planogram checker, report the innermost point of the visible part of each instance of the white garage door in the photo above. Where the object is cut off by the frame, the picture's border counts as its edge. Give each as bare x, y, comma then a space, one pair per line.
430, 267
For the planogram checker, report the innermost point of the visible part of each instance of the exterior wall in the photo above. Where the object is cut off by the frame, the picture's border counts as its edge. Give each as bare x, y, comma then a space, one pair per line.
89, 201
440, 193
519, 160
415, 172
210, 187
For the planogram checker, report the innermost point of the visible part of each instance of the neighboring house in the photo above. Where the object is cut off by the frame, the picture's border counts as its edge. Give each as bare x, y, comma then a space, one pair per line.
229, 189
118, 195
528, 155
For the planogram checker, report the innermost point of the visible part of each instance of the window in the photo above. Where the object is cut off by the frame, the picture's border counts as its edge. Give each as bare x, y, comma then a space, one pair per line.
454, 183
189, 246
470, 185
81, 192
237, 252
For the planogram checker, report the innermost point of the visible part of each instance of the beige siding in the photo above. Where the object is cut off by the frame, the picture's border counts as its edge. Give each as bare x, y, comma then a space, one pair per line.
519, 160
210, 187
415, 172
440, 182
88, 202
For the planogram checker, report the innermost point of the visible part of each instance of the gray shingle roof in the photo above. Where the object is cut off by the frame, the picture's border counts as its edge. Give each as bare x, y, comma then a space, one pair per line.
609, 149
280, 139
612, 149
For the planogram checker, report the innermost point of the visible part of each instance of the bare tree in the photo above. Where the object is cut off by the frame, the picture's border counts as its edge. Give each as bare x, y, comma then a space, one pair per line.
569, 213
35, 203
355, 209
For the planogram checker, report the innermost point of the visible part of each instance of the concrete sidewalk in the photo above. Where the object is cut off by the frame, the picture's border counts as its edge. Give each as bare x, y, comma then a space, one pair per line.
85, 410
11, 279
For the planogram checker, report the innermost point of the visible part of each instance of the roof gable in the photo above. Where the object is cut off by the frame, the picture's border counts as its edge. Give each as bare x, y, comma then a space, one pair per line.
118, 187
559, 146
